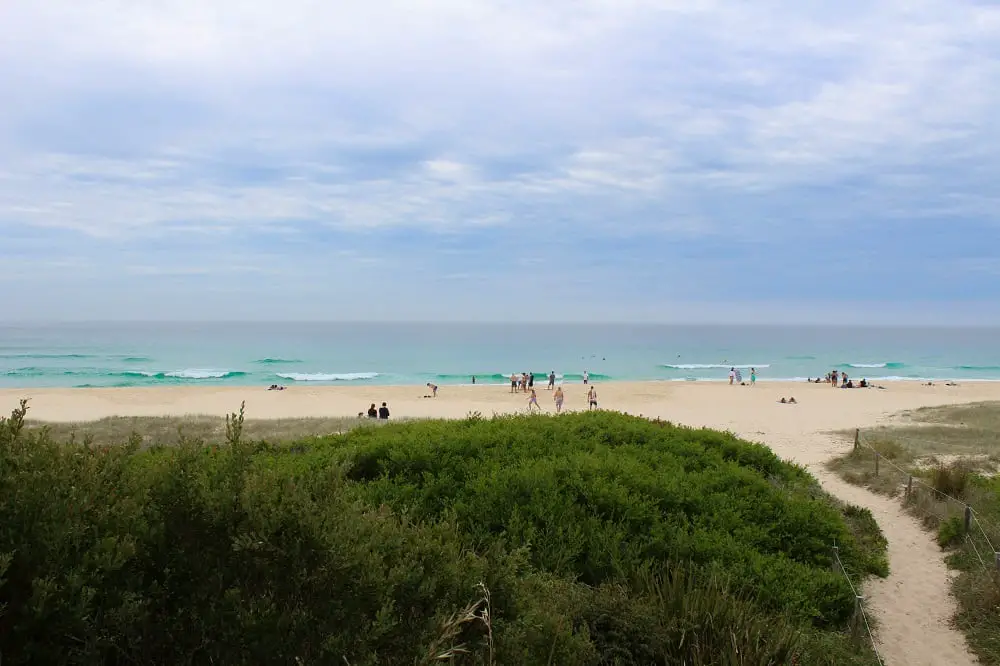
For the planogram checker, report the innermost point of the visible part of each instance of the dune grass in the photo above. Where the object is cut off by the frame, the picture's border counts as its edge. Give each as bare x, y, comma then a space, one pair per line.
171, 430
952, 454
586, 539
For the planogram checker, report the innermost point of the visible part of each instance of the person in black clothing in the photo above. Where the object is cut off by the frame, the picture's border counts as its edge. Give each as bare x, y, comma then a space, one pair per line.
372, 412
552, 379
383, 412
531, 380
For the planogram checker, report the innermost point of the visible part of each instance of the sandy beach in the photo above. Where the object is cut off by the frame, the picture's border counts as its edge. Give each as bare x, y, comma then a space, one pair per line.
743, 409
913, 604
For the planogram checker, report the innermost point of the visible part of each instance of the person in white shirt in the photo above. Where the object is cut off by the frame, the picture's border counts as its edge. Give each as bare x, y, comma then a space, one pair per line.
586, 377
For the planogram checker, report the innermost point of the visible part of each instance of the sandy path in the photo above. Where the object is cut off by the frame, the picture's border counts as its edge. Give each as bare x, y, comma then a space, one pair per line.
913, 605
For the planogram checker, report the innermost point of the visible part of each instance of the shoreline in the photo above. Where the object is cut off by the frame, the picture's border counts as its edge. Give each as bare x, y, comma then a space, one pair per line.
540, 384
700, 403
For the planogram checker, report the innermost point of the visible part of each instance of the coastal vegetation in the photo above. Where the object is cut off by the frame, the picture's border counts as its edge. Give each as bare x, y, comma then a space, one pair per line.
591, 538
952, 454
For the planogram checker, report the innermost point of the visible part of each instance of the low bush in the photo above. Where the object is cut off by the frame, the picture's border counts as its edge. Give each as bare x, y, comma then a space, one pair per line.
583, 539
951, 479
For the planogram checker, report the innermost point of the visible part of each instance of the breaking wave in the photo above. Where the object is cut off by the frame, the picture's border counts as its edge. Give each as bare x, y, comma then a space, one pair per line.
326, 376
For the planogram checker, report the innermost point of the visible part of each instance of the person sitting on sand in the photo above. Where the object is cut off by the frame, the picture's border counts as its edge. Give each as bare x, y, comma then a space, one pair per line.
789, 401
383, 412
864, 383
372, 412
434, 390
558, 399
533, 401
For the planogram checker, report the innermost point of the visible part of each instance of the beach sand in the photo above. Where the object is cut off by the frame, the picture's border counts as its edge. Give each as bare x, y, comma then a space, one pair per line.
913, 605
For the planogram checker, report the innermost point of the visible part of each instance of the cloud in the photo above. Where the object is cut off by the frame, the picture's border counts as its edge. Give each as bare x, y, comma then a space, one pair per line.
701, 150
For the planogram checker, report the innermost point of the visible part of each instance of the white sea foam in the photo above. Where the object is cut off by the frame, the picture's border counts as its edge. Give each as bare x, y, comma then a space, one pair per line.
197, 373
867, 365
327, 376
710, 366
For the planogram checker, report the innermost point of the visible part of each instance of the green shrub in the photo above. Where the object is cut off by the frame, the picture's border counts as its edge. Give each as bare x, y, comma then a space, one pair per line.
951, 479
585, 539
950, 532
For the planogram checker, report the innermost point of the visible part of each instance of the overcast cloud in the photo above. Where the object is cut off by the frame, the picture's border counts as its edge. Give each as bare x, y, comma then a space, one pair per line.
625, 159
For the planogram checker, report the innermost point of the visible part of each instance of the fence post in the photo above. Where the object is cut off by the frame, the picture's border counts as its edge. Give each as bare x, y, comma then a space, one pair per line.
857, 438
857, 621
909, 486
876, 463
968, 519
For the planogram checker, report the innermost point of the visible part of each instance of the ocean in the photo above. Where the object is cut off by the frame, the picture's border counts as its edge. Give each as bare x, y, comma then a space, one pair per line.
202, 354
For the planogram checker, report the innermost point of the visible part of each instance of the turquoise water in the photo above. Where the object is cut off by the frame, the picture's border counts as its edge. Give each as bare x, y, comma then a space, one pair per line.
313, 353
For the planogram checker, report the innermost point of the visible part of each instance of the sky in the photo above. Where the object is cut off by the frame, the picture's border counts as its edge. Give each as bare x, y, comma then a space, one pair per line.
625, 160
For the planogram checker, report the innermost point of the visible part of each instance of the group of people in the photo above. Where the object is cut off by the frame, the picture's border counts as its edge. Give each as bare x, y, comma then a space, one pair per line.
381, 413
525, 383
736, 376
558, 397
838, 379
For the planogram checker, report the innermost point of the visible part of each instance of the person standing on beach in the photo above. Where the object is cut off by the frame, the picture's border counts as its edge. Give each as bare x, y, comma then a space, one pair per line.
753, 376
592, 397
513, 382
531, 380
835, 376
433, 388
732, 376
558, 399
586, 377
533, 401
552, 379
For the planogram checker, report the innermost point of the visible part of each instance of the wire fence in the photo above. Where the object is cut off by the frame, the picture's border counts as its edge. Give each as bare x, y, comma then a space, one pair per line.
937, 507
860, 612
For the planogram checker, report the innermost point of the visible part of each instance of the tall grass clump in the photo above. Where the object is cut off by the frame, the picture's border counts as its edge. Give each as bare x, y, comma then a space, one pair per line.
584, 539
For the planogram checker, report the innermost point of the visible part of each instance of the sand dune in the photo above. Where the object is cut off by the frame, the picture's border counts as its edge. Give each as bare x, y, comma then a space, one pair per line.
913, 604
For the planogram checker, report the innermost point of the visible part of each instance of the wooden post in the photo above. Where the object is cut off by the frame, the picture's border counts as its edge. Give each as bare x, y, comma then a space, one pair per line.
876, 463
909, 486
858, 620
857, 438
968, 519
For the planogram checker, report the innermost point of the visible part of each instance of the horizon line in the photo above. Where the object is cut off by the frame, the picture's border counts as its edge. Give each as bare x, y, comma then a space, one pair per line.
536, 322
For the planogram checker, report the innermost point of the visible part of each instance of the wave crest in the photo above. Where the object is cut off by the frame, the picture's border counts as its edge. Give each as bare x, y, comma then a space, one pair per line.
198, 373
714, 366
327, 376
